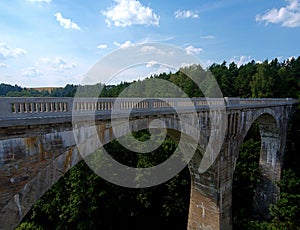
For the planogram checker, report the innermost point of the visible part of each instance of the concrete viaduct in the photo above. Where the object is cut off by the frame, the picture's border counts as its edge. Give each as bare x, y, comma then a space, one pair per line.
38, 145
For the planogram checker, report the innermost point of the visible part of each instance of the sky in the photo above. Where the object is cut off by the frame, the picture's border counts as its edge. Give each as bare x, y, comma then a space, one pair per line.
56, 42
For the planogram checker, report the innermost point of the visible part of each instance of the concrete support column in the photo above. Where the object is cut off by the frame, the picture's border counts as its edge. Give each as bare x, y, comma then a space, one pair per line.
210, 207
272, 150
204, 213
211, 195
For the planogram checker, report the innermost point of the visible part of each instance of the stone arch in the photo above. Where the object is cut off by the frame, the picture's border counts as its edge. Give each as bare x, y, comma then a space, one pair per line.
271, 158
25, 197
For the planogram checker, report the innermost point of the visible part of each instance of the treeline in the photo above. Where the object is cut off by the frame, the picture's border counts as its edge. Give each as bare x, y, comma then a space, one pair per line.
7, 90
256, 80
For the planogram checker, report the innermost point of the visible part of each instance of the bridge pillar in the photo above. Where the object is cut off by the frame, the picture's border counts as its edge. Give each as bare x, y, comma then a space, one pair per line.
273, 138
204, 212
211, 192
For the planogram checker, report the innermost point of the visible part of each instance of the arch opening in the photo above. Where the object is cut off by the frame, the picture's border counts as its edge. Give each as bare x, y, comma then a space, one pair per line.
83, 200
245, 179
270, 163
258, 168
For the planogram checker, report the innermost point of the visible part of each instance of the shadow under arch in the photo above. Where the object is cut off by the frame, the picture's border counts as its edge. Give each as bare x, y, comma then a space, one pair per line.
266, 131
270, 163
246, 175
175, 135
90, 138
68, 159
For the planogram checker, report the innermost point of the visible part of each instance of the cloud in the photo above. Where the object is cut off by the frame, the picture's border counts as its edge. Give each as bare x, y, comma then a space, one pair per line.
31, 72
124, 45
130, 12
65, 22
45, 60
3, 65
151, 64
103, 46
39, 1
208, 37
57, 64
288, 16
193, 50
185, 14
61, 65
241, 60
155, 51
8, 52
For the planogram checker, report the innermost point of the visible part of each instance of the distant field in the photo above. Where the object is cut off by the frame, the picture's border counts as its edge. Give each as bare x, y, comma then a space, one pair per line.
49, 89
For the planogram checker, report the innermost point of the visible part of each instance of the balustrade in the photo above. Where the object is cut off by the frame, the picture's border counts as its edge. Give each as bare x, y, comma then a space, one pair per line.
10, 107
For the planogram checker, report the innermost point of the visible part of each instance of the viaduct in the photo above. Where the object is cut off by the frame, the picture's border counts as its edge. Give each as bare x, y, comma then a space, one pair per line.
40, 140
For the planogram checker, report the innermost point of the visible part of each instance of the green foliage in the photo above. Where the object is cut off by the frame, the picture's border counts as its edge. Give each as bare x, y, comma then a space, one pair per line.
242, 81
82, 200
263, 81
67, 91
266, 79
5, 89
28, 226
246, 177
286, 211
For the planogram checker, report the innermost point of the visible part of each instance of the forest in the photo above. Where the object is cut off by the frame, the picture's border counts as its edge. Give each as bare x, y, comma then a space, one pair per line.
82, 200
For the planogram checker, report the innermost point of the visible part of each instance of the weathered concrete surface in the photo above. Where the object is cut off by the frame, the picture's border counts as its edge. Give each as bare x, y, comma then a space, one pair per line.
211, 192
34, 156
30, 165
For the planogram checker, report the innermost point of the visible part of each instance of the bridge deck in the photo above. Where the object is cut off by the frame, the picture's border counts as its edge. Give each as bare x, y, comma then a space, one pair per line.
16, 111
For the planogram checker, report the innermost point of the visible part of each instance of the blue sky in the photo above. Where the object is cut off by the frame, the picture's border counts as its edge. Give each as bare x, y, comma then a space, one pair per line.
55, 42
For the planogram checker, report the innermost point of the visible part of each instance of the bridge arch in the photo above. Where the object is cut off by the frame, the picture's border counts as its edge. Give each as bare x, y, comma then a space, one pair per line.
68, 156
176, 135
272, 129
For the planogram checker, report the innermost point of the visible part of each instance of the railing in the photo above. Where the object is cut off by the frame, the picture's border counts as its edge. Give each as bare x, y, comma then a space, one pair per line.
260, 101
11, 107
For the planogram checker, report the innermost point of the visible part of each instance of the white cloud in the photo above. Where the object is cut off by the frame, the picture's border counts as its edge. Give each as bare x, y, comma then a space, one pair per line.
61, 65
3, 65
151, 64
130, 12
57, 64
288, 16
8, 52
241, 60
39, 1
193, 50
65, 22
123, 45
31, 72
207, 63
185, 14
152, 49
208, 37
45, 60
103, 46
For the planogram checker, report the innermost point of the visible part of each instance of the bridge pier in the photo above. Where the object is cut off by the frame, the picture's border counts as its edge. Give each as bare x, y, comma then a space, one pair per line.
203, 211
211, 191
273, 138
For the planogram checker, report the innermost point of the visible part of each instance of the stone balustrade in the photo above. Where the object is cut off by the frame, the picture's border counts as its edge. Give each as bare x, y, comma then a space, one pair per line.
12, 107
